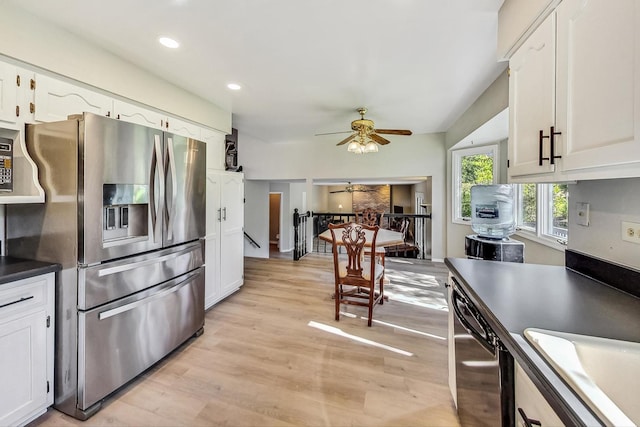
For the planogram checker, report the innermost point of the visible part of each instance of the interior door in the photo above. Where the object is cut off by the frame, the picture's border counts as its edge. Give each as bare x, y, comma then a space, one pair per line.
185, 189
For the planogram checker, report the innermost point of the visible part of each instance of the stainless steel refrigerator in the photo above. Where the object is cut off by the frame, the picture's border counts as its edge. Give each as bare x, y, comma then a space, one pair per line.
124, 214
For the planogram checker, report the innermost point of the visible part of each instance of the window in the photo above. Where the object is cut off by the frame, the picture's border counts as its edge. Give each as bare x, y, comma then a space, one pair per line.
471, 166
542, 211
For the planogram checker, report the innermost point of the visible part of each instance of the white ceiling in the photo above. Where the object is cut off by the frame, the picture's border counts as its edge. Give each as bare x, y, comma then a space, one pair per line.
304, 66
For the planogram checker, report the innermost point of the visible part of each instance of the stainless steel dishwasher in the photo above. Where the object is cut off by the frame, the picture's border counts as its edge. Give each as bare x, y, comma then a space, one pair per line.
484, 368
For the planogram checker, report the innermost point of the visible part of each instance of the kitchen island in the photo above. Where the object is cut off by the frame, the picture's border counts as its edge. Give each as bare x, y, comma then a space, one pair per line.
513, 297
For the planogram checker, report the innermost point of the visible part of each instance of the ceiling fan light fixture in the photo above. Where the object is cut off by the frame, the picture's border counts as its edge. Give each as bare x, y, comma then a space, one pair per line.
355, 147
371, 147
365, 137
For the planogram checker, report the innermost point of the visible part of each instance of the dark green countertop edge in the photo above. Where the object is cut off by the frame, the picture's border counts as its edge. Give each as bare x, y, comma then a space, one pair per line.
12, 269
569, 408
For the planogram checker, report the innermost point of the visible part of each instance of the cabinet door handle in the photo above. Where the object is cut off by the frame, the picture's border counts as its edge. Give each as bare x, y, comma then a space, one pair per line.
224, 214
219, 215
552, 144
528, 422
16, 301
540, 145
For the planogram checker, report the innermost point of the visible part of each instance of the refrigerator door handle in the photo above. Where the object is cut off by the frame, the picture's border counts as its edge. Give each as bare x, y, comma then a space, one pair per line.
171, 169
155, 207
157, 295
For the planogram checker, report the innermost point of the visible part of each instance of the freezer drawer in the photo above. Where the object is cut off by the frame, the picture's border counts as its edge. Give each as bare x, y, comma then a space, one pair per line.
107, 282
120, 340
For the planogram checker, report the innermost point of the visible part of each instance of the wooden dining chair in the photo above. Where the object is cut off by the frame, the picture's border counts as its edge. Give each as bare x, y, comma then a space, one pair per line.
371, 217
356, 275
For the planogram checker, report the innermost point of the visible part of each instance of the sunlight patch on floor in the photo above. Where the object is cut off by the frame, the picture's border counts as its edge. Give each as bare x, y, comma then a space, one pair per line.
340, 332
413, 331
392, 325
415, 288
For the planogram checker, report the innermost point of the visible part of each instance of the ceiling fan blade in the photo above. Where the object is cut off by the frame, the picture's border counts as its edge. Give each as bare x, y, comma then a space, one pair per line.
338, 191
380, 140
332, 133
394, 131
347, 139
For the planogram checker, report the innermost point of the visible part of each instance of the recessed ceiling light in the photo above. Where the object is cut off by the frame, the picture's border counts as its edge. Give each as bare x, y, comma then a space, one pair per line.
234, 86
169, 42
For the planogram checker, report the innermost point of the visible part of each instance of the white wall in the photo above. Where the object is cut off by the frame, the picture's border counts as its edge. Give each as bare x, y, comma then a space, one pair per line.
320, 199
492, 101
611, 202
256, 217
28, 39
320, 158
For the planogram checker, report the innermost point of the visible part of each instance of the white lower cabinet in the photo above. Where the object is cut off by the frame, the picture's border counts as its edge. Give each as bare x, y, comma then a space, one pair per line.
224, 242
26, 348
531, 406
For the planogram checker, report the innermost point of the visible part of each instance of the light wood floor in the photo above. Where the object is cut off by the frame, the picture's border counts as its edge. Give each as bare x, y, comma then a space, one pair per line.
272, 354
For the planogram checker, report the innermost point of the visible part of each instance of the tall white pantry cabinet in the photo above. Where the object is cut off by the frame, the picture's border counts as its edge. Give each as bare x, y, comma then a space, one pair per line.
224, 241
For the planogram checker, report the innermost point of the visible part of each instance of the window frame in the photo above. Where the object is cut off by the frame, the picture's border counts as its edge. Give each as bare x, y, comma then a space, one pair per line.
544, 217
456, 160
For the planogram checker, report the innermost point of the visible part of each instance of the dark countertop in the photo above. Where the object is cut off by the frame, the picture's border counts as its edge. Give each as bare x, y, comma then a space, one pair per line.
12, 269
513, 297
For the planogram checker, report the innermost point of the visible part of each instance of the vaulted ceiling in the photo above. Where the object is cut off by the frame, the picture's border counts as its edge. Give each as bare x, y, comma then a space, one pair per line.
305, 67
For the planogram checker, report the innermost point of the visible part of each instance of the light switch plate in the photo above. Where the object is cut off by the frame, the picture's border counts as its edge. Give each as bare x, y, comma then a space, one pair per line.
582, 214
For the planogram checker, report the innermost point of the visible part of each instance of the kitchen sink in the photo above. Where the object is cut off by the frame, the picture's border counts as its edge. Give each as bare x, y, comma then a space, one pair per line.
605, 373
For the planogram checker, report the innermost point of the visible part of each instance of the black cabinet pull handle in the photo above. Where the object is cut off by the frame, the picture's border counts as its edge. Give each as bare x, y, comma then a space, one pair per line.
552, 144
540, 143
16, 301
528, 422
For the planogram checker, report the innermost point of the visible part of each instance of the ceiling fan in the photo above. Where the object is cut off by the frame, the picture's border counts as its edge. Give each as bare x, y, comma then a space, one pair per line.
365, 136
353, 189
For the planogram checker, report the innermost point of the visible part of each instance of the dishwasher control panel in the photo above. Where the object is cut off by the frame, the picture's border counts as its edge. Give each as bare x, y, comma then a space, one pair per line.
6, 164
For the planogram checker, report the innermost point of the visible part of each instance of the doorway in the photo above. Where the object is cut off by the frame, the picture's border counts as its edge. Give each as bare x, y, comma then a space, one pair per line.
275, 210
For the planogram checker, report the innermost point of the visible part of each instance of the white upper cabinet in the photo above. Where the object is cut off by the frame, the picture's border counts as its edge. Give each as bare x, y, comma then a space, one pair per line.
55, 100
574, 95
184, 128
215, 148
16, 93
532, 102
8, 93
598, 90
517, 19
134, 114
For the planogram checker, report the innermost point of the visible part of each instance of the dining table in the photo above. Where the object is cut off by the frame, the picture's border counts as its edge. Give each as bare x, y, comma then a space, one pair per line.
385, 237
